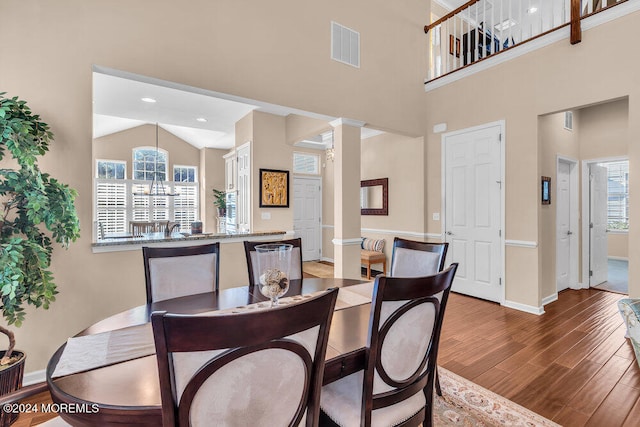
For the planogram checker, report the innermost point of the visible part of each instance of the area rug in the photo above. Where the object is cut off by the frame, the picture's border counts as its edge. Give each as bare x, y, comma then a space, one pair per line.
317, 269
464, 403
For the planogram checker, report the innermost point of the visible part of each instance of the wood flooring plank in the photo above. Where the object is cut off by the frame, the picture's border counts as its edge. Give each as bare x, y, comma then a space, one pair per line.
569, 417
616, 406
633, 416
595, 391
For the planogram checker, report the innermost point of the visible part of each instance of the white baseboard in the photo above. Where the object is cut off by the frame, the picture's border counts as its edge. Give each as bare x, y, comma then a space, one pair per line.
34, 377
579, 286
326, 259
551, 298
524, 307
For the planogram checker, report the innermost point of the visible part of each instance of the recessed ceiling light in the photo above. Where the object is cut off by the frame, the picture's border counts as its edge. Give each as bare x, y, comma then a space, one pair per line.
532, 10
201, 120
506, 24
149, 100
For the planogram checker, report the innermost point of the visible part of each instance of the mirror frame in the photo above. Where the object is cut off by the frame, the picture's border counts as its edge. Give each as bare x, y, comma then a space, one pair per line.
385, 196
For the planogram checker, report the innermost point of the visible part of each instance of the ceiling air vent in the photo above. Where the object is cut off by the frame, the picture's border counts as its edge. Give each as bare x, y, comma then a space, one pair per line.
345, 45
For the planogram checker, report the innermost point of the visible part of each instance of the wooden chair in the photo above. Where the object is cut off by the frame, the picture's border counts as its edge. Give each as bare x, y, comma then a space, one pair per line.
180, 271
138, 227
396, 386
252, 263
254, 368
416, 259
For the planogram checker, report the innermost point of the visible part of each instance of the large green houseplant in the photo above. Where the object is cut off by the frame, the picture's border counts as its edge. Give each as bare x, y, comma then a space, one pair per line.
35, 209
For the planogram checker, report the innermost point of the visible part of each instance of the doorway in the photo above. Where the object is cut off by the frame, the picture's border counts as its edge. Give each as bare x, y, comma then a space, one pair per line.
473, 167
307, 209
605, 208
567, 224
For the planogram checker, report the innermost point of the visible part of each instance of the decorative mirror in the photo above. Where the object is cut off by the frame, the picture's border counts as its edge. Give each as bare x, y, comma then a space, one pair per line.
374, 196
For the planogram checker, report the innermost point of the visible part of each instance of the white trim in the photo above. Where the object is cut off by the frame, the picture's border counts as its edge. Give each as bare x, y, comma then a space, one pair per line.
327, 259
521, 244
524, 307
535, 44
617, 231
413, 234
349, 122
34, 377
503, 143
347, 242
318, 181
586, 258
551, 298
574, 220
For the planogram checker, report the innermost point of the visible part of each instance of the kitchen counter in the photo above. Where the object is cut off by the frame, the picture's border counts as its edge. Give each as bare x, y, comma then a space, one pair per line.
123, 243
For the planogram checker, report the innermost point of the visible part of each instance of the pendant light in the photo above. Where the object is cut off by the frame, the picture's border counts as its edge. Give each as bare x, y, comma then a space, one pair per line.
157, 185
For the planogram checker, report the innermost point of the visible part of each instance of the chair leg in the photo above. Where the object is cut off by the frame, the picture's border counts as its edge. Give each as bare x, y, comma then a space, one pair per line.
368, 271
438, 389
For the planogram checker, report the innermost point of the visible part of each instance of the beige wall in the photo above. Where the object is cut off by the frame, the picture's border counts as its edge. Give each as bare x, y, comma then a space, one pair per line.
558, 77
401, 160
120, 145
599, 131
212, 175
618, 245
283, 59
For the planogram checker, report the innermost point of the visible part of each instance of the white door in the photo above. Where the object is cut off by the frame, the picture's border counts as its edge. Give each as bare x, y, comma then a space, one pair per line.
307, 197
564, 234
473, 210
597, 224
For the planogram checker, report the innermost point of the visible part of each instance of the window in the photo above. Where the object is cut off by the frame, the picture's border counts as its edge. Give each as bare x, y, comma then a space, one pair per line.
184, 174
119, 200
306, 163
617, 195
111, 169
148, 161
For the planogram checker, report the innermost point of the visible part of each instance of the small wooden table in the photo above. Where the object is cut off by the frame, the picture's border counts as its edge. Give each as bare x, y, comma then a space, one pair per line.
373, 257
128, 393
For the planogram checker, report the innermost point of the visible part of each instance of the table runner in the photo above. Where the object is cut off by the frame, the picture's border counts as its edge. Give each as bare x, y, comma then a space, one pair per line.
89, 352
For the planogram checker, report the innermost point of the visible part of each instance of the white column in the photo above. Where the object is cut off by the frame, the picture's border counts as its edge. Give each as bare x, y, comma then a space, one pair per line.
346, 199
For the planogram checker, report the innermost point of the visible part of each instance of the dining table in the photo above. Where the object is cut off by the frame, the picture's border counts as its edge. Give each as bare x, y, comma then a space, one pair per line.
127, 392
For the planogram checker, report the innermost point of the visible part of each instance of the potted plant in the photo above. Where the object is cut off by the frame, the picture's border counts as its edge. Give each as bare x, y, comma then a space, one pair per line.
220, 202
35, 209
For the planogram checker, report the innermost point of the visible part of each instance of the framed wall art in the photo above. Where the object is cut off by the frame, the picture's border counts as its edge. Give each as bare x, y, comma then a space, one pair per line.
274, 188
546, 190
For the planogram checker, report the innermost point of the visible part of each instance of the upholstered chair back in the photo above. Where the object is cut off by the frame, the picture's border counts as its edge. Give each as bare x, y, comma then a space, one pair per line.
397, 384
417, 259
255, 367
252, 259
180, 271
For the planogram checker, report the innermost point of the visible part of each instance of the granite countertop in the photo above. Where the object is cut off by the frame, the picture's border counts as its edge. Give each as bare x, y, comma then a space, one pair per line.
125, 240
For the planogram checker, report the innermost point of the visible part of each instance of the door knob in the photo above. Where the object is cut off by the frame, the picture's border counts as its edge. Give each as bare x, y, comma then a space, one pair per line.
449, 233
569, 233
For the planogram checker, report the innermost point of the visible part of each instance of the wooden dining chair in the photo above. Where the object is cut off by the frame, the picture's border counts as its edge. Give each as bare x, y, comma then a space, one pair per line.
252, 262
136, 228
180, 271
415, 259
396, 386
252, 368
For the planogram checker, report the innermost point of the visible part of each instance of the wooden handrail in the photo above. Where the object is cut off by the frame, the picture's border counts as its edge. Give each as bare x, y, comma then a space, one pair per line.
449, 15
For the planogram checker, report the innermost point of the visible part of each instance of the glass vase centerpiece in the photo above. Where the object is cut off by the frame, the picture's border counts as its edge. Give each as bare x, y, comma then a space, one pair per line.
274, 263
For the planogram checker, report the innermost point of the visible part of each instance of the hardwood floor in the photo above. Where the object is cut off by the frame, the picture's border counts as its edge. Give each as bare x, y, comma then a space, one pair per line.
572, 364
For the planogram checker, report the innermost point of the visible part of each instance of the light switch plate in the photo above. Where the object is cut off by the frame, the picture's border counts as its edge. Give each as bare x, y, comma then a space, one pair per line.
436, 216
266, 215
